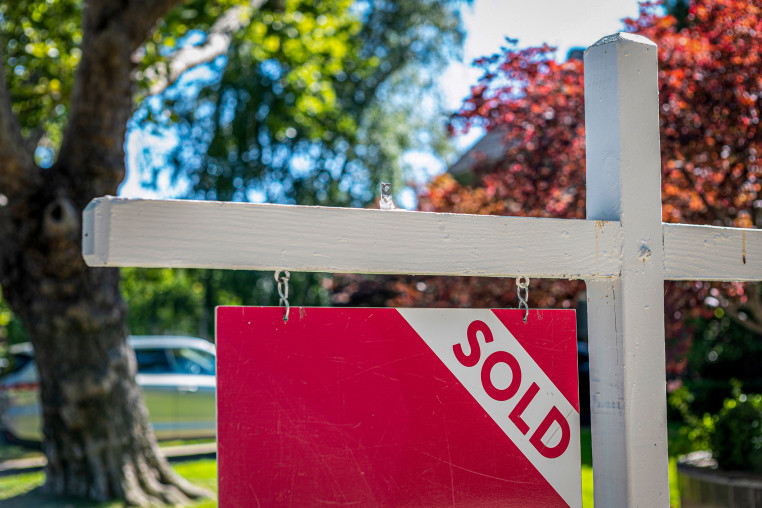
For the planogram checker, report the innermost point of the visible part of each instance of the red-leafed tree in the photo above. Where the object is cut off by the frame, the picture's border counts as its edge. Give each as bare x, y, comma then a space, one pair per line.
710, 82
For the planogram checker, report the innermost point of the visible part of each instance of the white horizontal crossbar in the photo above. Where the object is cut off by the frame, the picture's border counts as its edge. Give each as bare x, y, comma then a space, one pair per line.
207, 234
246, 236
712, 253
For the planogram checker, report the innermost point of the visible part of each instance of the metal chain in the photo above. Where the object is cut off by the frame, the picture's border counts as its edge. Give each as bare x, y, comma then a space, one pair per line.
283, 291
523, 285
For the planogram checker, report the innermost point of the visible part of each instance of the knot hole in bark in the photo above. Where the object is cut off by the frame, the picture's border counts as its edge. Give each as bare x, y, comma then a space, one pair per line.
61, 219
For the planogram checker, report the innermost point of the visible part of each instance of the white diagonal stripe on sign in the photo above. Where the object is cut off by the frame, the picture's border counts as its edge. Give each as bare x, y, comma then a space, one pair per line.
442, 329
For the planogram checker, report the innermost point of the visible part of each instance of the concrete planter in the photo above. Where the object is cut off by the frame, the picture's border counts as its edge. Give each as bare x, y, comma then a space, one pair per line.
702, 485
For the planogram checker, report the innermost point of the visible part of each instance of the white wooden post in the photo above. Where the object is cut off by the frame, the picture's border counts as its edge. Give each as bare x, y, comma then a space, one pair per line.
626, 314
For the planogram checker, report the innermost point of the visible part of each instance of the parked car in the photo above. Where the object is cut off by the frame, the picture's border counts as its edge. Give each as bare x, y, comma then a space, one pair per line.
175, 373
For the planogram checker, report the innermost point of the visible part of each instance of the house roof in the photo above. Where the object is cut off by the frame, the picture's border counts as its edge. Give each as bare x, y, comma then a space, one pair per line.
490, 148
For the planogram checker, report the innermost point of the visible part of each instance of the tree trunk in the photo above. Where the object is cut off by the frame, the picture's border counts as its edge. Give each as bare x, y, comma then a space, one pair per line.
97, 438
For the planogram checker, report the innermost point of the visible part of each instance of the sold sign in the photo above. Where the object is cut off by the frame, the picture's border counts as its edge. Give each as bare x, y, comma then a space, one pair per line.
397, 407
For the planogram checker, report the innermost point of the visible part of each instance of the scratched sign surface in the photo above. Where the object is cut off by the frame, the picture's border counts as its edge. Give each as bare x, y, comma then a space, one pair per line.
397, 407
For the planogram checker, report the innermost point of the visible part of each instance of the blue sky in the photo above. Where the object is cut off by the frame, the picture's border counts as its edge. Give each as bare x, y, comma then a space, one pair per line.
565, 24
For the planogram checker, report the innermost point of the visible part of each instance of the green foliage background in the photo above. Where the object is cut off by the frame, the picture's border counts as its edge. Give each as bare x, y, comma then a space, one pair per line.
736, 441
314, 102
182, 301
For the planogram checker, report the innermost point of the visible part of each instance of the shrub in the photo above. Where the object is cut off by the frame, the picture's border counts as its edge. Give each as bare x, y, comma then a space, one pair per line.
736, 439
694, 432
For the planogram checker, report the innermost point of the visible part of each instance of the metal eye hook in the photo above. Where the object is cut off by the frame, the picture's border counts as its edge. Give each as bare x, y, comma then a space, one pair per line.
386, 203
523, 285
283, 291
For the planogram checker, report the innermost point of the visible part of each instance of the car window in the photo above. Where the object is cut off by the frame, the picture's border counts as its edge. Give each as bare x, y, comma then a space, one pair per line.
152, 361
14, 363
193, 361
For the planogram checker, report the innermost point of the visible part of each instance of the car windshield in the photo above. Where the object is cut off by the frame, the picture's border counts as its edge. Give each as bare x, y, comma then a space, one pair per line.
193, 361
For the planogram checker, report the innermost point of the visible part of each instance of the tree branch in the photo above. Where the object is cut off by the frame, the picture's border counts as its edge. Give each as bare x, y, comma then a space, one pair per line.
754, 303
91, 159
92, 155
141, 17
746, 323
752, 323
17, 168
216, 44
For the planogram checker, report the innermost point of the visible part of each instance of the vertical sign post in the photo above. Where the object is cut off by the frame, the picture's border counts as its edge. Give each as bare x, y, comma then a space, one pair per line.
626, 313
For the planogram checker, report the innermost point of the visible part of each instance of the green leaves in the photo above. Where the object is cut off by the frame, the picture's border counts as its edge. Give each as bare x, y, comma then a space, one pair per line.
182, 301
294, 114
306, 101
41, 52
737, 437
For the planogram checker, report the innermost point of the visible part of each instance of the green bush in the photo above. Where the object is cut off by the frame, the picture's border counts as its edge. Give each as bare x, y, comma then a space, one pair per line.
736, 440
734, 434
721, 350
693, 432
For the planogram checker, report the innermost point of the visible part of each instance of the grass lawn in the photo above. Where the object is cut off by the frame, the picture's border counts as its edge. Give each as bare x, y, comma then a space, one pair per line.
23, 490
587, 473
587, 485
13, 452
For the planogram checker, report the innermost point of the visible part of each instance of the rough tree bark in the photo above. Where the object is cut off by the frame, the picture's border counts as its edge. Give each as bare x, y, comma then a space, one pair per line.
97, 438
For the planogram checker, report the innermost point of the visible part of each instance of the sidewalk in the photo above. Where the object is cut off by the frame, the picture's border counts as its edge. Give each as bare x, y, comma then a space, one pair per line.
172, 453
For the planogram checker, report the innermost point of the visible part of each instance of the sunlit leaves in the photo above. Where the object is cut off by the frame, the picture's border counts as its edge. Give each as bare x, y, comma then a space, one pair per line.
709, 90
308, 44
317, 101
40, 52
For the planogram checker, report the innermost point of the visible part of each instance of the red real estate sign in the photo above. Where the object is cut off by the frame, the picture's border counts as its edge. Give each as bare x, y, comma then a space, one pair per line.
397, 407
